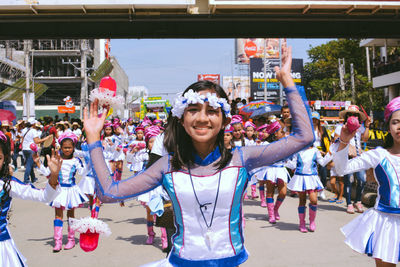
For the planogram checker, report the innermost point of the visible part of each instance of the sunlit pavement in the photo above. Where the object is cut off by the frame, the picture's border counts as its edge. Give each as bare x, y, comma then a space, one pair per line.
31, 226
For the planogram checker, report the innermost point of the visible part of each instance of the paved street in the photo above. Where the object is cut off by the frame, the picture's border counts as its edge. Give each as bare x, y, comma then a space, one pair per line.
31, 225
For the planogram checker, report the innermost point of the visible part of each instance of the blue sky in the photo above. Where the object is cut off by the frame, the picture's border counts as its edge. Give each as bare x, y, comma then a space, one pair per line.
170, 65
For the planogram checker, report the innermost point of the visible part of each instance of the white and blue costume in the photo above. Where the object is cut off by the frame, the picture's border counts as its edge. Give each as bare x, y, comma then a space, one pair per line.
306, 177
118, 153
202, 239
87, 183
9, 254
136, 161
376, 231
71, 195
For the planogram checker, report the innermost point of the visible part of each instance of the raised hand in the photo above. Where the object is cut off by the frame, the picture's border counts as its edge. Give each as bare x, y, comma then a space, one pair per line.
283, 73
93, 124
54, 162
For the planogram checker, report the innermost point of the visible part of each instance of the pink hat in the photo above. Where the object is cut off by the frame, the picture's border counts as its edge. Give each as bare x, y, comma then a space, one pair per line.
393, 106
249, 124
262, 127
107, 124
150, 132
139, 129
273, 127
156, 121
236, 119
228, 129
68, 135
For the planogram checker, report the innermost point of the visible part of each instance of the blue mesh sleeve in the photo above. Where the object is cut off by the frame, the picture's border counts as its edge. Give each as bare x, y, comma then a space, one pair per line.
109, 190
302, 135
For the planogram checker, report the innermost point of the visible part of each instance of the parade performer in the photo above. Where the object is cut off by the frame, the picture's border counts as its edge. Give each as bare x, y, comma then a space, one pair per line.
376, 231
87, 183
228, 143
250, 133
71, 196
150, 136
207, 211
238, 136
258, 175
306, 181
118, 157
11, 188
135, 146
276, 175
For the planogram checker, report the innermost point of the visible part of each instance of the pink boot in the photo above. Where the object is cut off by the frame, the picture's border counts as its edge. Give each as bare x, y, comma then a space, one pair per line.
58, 226
253, 191
270, 207
262, 196
278, 203
302, 218
313, 214
164, 238
150, 233
71, 239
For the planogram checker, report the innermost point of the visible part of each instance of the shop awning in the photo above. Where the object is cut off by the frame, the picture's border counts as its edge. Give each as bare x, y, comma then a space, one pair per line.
103, 70
16, 91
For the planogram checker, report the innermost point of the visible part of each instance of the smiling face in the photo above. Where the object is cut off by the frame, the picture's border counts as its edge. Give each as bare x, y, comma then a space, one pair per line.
203, 123
394, 127
237, 131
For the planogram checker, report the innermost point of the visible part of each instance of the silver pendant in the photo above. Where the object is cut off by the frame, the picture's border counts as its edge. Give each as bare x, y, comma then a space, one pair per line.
209, 238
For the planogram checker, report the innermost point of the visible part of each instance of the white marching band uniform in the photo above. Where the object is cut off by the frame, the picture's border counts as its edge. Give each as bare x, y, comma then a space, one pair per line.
71, 196
9, 254
376, 231
306, 177
118, 153
135, 161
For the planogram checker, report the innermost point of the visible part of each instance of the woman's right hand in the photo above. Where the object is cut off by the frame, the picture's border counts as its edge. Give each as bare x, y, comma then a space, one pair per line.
93, 124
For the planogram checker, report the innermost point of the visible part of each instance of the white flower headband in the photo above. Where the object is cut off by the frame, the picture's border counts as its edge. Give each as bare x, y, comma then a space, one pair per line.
192, 97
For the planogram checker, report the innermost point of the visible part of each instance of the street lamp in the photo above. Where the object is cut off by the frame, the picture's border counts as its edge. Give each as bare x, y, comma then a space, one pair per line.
27, 96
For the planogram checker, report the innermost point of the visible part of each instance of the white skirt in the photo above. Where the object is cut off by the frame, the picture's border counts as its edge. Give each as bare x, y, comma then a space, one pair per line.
145, 198
118, 156
87, 185
274, 174
69, 198
376, 234
258, 175
10, 255
304, 183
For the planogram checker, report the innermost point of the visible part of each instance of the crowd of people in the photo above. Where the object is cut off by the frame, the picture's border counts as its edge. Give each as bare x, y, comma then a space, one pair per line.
201, 220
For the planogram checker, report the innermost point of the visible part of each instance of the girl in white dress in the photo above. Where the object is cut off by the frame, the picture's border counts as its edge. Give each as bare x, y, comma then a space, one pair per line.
71, 196
306, 181
11, 187
377, 231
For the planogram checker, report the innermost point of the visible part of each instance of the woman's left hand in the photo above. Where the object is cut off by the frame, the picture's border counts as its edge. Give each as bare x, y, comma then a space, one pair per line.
54, 162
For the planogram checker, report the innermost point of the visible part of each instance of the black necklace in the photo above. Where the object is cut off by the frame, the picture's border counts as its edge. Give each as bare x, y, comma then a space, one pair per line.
201, 206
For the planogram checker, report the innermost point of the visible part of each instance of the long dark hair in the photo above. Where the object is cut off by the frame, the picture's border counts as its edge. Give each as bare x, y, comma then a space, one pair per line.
5, 175
179, 143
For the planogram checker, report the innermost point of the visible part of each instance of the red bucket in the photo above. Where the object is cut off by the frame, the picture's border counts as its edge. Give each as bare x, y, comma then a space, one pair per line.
88, 241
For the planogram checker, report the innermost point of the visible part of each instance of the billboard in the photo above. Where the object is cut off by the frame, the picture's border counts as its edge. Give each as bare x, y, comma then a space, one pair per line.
215, 78
254, 48
236, 86
257, 77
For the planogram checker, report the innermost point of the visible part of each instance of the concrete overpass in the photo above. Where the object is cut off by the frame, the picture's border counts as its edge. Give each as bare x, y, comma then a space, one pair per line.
26, 19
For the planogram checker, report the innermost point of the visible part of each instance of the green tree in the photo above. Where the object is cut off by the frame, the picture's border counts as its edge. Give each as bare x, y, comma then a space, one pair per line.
321, 75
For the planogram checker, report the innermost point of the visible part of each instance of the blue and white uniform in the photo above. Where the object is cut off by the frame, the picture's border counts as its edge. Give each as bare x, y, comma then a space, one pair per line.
118, 153
306, 177
135, 161
197, 241
71, 195
9, 254
87, 183
377, 231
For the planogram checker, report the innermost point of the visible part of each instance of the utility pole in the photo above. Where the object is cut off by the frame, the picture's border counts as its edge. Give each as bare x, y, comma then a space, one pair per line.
27, 106
341, 73
280, 67
84, 82
353, 89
